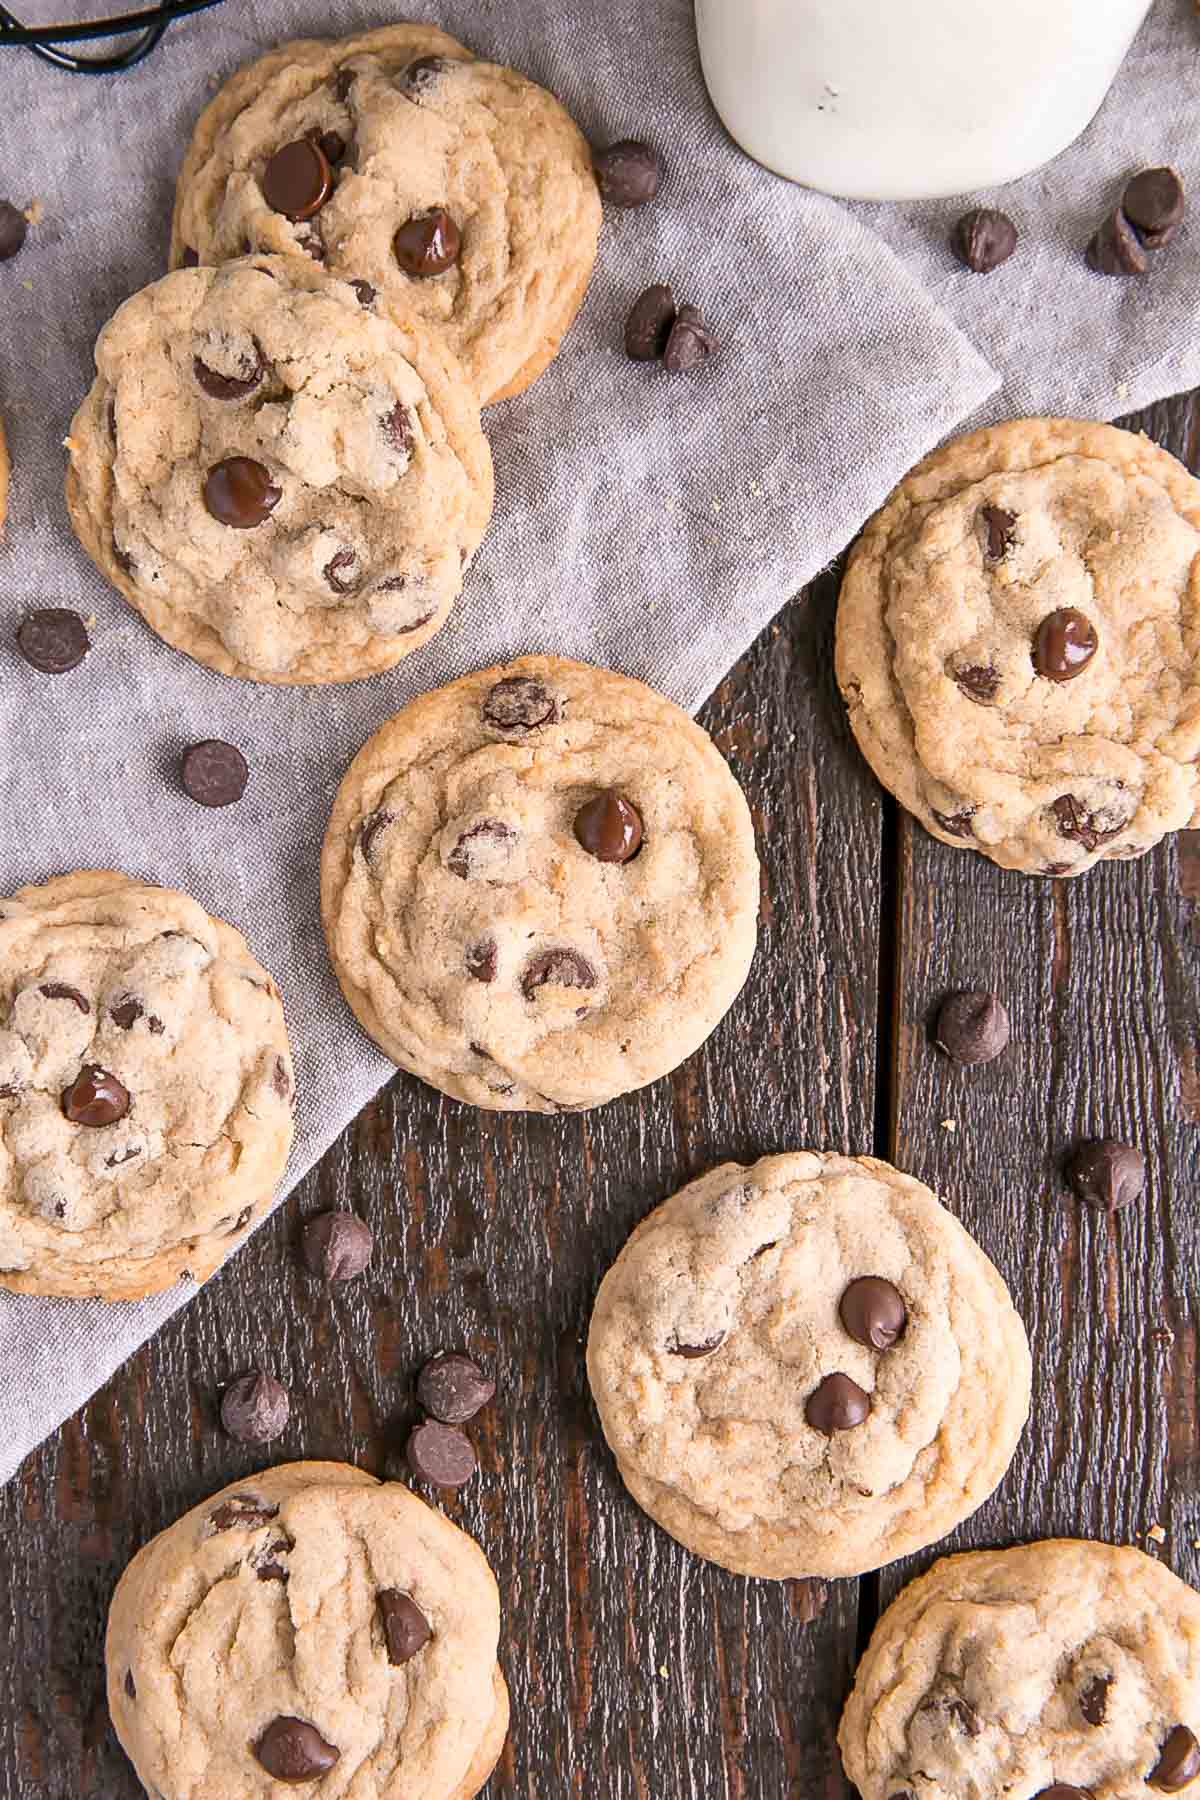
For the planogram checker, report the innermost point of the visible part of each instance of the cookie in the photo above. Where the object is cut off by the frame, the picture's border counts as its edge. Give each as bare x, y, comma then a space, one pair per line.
309, 1625
1016, 643
398, 159
145, 1088
1058, 1671
539, 886
807, 1367
286, 484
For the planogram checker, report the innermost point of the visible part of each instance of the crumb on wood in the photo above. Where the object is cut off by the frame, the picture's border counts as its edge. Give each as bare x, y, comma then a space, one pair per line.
949, 1124
1157, 1535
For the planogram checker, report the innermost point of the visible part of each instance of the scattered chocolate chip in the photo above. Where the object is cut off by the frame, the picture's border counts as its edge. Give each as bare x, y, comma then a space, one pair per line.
370, 830
366, 293
557, 968
488, 833
609, 828
95, 1098
1075, 821
983, 239
214, 773
332, 146
838, 1404
648, 326
298, 180
440, 1454
231, 387
337, 1246
405, 1627
130, 1684
998, 527
1062, 1790
293, 1750
239, 492
1107, 1173
341, 571
255, 1408
693, 1352
873, 1312
242, 1512
59, 990
128, 1011
421, 75
1178, 1762
1115, 248
481, 960
1093, 1702
453, 1389
1153, 203
53, 639
954, 824
13, 228
190, 258
428, 244
519, 704
628, 173
397, 428
972, 1027
978, 681
689, 343
1064, 644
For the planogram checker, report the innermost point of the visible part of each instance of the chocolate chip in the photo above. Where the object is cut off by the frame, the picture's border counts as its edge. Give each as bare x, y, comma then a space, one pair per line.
128, 1011
481, 960
838, 1404
1093, 1702
873, 1312
397, 428
972, 1027
1107, 1173
13, 228
337, 1246
978, 681
965, 1717
281, 1081
1062, 1790
428, 244
242, 1512
255, 1408
1075, 821
453, 1388
53, 639
440, 1454
1064, 643
519, 704
214, 773
1115, 248
419, 76
609, 828
557, 968
405, 1627
130, 1684
954, 824
343, 81
998, 527
59, 990
241, 1222
1153, 203
983, 239
693, 1352
312, 243
342, 570
689, 342
370, 830
298, 180
366, 293
231, 387
120, 1157
190, 258
464, 859
1178, 1762
293, 1750
332, 146
648, 326
239, 492
267, 1565
628, 173
95, 1098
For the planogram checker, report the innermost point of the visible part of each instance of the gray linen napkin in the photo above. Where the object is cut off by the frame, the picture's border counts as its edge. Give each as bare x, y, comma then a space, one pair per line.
652, 523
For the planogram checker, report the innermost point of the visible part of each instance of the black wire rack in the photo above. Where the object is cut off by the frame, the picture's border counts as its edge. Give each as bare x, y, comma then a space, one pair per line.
139, 33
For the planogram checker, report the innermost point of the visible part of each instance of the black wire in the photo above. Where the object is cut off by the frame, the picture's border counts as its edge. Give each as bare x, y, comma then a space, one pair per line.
44, 40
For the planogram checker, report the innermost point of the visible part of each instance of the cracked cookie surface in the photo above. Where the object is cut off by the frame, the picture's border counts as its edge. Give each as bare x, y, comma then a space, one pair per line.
146, 1088
308, 1624
540, 887
1018, 643
286, 484
807, 1366
1013, 1671
412, 125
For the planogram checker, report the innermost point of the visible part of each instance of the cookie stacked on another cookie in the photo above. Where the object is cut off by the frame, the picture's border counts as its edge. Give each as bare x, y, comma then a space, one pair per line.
308, 1625
1017, 644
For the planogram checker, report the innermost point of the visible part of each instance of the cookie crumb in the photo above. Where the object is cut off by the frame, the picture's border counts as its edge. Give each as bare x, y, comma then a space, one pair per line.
663, 1670
35, 212
1157, 1535
949, 1124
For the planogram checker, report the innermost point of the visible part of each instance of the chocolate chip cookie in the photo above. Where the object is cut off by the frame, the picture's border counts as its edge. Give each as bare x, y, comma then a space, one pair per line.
1058, 1671
807, 1367
400, 161
308, 1625
1017, 644
539, 886
145, 1088
286, 484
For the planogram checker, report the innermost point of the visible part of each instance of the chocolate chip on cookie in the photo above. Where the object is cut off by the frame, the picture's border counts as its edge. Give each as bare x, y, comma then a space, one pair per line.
421, 76
53, 639
980, 682
873, 1312
559, 968
440, 1454
972, 1027
694, 1352
1107, 1173
291, 1749
999, 529
1153, 202
95, 1098
214, 773
1093, 1701
453, 1388
690, 342
428, 244
648, 327
957, 825
242, 1512
518, 705
838, 1404
130, 1684
482, 959
367, 295
1064, 644
1178, 1763
61, 990
298, 180
481, 849
397, 428
337, 1246
249, 366
983, 239
1090, 828
239, 492
406, 1630
255, 1408
628, 172
343, 571
609, 827
1062, 1790
371, 828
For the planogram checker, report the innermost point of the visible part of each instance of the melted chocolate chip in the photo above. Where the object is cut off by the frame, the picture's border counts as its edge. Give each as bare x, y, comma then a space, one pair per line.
1062, 1790
231, 387
1064, 644
95, 1098
453, 1388
371, 828
420, 76
609, 828
242, 1512
481, 960
1093, 1701
53, 639
1075, 821
693, 1352
341, 571
298, 180
239, 492
397, 428
954, 824
406, 1630
557, 968
519, 704
978, 681
267, 1565
428, 244
838, 1404
128, 1011
1178, 1763
59, 990
998, 527
293, 1750
873, 1312
464, 859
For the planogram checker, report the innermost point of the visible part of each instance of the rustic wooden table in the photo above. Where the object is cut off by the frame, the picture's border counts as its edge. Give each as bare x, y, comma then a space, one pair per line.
636, 1669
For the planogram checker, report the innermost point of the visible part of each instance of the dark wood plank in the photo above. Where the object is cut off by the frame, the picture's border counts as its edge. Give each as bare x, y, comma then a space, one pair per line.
1100, 976
636, 1669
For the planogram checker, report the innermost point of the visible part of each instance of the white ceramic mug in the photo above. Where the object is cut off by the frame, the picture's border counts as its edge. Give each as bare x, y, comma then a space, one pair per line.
910, 99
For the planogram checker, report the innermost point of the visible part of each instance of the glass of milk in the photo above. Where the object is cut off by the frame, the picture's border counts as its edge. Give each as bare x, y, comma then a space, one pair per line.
910, 99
